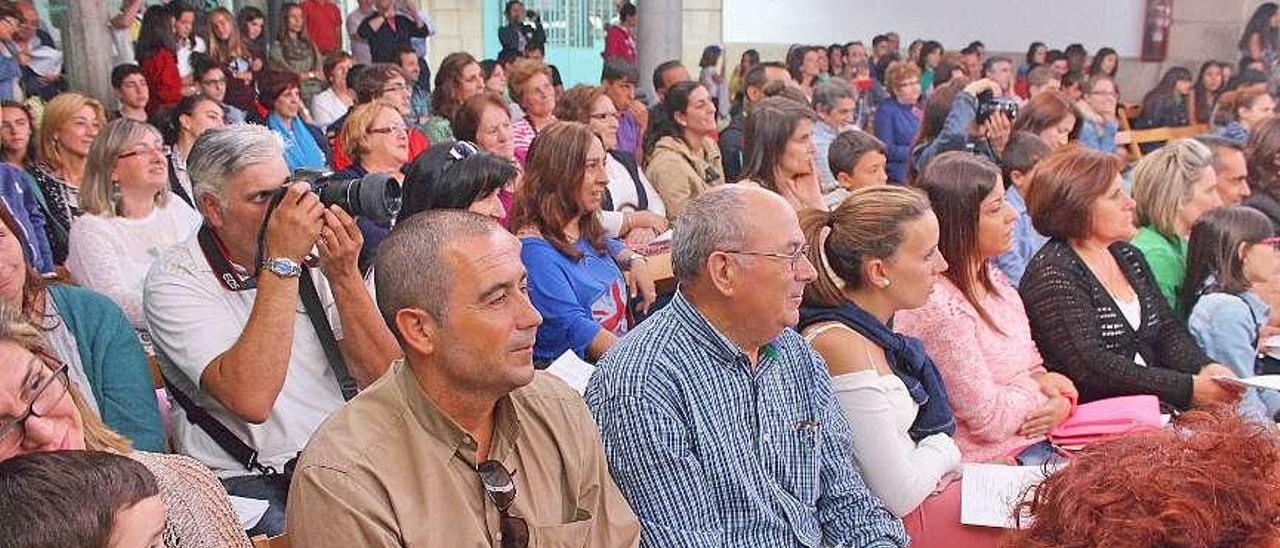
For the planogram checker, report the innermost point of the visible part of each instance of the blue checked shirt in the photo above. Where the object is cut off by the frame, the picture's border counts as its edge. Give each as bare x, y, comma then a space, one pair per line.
709, 452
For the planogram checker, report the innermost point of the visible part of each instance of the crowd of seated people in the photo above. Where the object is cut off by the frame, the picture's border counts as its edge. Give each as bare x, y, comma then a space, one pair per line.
806, 311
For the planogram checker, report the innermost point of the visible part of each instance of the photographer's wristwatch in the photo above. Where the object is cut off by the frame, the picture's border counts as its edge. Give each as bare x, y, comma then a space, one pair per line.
283, 267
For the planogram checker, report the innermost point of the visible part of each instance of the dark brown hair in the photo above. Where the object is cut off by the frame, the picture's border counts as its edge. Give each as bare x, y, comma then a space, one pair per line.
957, 182
1064, 187
575, 105
1021, 154
1210, 480
548, 197
770, 126
1045, 111
33, 284
375, 77
466, 120
1214, 250
444, 98
1262, 154
68, 498
870, 224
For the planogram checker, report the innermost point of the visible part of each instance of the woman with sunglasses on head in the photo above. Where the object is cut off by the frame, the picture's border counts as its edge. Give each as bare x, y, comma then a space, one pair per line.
877, 254
633, 210
1232, 250
43, 408
575, 271
377, 140
89, 333
456, 175
130, 216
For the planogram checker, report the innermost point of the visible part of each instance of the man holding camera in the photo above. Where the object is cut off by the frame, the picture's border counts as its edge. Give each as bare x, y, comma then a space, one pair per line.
258, 348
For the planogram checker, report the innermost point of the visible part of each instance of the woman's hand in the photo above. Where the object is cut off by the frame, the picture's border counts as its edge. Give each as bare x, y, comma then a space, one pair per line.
641, 282
1205, 390
639, 237
1040, 421
1054, 384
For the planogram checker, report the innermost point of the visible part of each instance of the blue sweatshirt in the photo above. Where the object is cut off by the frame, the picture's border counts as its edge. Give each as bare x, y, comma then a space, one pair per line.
896, 126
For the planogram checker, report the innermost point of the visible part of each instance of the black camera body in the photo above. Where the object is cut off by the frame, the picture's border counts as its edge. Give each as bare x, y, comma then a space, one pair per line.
989, 104
375, 196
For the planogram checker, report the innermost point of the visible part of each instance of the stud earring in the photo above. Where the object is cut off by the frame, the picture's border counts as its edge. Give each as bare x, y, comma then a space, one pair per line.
885, 284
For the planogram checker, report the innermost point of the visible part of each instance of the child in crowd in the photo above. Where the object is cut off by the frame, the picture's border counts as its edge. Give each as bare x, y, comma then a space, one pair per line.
1021, 155
857, 159
79, 499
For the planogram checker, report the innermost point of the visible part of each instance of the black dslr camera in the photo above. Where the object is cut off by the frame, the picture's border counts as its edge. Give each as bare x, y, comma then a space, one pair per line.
375, 196
989, 104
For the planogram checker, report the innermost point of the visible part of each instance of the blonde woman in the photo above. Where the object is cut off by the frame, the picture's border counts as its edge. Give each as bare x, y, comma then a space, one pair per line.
69, 124
130, 216
1172, 186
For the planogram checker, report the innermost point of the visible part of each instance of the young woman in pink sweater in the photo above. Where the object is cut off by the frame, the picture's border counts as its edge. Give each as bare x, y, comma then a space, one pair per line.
974, 325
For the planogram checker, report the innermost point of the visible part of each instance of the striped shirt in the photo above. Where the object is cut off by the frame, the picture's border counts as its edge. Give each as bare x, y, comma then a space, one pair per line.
710, 452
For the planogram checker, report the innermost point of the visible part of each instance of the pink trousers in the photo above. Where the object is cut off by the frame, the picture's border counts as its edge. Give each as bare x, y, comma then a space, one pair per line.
936, 523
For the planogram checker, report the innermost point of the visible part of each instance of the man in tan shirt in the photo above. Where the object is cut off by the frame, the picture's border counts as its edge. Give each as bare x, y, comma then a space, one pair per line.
398, 465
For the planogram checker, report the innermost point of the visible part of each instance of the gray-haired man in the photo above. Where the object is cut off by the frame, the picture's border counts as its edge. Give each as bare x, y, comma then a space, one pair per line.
718, 419
254, 352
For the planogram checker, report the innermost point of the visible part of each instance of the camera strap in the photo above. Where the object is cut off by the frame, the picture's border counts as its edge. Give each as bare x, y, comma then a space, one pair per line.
315, 312
234, 280
221, 435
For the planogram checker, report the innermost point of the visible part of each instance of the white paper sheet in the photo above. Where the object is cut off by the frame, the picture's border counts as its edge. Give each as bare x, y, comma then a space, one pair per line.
248, 510
988, 492
1270, 382
572, 370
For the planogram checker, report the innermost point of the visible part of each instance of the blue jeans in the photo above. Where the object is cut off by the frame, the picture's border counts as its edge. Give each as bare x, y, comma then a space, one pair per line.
272, 489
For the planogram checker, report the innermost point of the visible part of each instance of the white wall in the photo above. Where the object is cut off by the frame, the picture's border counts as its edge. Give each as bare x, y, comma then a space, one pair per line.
1002, 25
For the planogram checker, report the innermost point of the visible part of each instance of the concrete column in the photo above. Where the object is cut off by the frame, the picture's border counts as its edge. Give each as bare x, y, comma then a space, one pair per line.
88, 47
659, 37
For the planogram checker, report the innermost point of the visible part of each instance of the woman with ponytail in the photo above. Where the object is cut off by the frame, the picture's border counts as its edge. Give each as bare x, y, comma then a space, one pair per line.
875, 254
974, 324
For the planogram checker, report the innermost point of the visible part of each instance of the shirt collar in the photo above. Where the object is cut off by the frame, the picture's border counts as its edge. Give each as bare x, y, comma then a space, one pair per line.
440, 426
711, 339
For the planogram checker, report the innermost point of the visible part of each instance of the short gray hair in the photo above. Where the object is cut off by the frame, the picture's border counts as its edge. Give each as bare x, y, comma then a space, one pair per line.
222, 152
410, 270
830, 92
717, 220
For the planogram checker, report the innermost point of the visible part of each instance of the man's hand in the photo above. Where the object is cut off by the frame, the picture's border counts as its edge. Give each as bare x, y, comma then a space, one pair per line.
295, 224
976, 87
340, 243
997, 128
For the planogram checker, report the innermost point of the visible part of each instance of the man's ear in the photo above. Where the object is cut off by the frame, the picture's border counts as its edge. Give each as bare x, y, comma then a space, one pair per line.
418, 330
722, 272
208, 206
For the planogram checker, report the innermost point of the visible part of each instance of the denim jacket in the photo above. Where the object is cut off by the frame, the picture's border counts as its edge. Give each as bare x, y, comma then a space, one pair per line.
1226, 328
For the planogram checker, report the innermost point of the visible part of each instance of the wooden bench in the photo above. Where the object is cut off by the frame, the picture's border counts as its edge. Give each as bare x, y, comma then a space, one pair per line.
1137, 137
261, 541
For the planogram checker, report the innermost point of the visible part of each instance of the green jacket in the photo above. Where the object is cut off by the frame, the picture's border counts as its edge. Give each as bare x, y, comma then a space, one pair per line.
1168, 260
114, 364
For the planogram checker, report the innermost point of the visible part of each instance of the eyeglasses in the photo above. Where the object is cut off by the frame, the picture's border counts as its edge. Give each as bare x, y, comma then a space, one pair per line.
793, 259
44, 399
603, 116
154, 151
461, 150
400, 129
1273, 241
501, 489
396, 87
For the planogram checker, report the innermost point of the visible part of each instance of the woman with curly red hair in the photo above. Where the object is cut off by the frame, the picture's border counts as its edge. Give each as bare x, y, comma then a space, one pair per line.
1211, 479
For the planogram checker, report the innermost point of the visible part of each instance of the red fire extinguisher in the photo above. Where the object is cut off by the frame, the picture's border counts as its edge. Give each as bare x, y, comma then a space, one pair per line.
1155, 32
